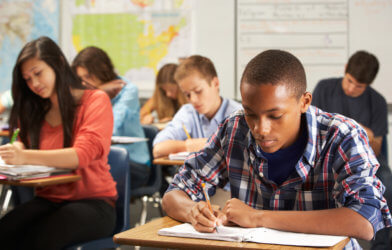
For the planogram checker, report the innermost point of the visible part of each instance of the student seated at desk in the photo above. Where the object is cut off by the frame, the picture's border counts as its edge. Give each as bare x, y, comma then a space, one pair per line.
198, 80
62, 125
353, 97
290, 165
167, 98
95, 69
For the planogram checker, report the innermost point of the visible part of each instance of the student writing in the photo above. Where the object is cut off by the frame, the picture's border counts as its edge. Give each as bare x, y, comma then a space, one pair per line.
199, 82
167, 98
61, 125
95, 68
290, 166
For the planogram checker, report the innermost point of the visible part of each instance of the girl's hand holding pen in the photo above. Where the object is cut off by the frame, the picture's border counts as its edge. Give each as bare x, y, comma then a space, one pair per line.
12, 153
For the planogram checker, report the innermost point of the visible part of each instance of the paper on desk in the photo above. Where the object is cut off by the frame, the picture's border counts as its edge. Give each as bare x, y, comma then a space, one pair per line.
15, 172
181, 156
127, 139
259, 235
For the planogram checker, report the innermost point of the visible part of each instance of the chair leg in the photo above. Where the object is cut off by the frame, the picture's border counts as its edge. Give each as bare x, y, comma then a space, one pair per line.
143, 215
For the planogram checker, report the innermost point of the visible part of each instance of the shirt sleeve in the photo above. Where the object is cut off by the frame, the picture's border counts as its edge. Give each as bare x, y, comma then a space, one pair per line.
207, 165
126, 109
174, 130
379, 122
357, 186
94, 131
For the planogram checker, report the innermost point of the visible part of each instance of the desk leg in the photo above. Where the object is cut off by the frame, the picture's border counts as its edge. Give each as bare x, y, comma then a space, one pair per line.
5, 198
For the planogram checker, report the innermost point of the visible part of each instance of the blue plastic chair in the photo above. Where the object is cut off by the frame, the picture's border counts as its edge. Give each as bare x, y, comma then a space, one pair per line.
119, 168
150, 192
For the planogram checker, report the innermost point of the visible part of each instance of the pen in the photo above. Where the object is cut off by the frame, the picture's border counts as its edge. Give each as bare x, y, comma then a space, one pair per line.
208, 201
186, 131
14, 135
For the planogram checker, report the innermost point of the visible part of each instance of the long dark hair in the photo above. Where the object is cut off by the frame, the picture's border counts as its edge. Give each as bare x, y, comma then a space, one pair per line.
97, 63
29, 109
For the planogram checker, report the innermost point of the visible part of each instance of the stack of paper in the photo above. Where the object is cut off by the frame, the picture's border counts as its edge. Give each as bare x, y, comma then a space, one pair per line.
17, 172
259, 235
180, 156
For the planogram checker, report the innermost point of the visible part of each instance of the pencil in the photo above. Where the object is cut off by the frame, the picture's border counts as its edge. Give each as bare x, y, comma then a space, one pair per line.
186, 131
208, 201
14, 135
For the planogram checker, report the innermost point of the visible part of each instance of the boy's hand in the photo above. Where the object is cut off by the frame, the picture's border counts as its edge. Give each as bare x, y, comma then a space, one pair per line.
12, 154
202, 219
195, 145
240, 214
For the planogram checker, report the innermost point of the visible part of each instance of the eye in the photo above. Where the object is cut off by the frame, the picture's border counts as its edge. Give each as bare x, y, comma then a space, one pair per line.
38, 73
276, 117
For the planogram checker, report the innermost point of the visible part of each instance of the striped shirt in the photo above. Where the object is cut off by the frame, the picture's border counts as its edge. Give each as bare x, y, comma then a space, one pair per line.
337, 169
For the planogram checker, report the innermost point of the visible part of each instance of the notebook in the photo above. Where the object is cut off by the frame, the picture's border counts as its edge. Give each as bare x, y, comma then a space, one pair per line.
180, 156
17, 172
258, 235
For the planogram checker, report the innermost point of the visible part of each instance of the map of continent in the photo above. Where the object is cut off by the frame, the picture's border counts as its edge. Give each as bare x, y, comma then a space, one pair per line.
20, 22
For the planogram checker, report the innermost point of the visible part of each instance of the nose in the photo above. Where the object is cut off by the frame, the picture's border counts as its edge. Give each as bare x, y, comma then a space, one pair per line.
263, 126
170, 94
350, 88
193, 98
34, 82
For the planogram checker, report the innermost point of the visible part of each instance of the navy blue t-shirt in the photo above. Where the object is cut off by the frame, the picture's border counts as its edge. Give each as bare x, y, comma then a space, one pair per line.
282, 162
369, 109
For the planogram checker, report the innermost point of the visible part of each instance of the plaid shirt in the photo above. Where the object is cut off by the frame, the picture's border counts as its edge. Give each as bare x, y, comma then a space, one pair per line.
337, 169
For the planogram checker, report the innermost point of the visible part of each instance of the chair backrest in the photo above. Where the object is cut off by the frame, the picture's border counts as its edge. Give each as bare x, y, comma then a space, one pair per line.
384, 147
119, 168
155, 179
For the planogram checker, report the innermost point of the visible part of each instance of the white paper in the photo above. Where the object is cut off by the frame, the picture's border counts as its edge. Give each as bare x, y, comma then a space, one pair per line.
181, 156
258, 235
127, 139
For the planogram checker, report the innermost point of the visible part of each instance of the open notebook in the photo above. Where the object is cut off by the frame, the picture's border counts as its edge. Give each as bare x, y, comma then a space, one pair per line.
17, 172
259, 235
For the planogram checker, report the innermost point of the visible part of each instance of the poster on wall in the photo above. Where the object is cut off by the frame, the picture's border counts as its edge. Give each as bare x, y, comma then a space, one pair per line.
20, 22
140, 36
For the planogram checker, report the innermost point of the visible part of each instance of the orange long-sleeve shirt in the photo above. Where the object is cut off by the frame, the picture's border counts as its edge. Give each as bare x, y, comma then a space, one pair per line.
91, 140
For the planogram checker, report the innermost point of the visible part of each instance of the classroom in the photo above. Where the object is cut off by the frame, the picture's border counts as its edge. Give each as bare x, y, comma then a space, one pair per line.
140, 37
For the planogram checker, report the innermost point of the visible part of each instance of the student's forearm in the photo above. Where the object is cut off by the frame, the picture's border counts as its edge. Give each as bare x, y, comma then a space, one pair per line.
339, 221
168, 147
177, 205
62, 158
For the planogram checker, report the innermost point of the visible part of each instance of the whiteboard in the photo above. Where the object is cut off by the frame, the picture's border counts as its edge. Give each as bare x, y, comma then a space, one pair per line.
322, 34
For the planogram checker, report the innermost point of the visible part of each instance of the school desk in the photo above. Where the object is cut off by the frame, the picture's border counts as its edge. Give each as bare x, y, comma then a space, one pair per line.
147, 235
160, 125
167, 162
4, 133
5, 194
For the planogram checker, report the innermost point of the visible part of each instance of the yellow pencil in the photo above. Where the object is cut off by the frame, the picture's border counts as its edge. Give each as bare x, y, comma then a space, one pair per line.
186, 131
208, 201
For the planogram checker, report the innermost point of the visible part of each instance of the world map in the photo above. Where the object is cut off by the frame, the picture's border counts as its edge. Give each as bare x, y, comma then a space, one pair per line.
20, 22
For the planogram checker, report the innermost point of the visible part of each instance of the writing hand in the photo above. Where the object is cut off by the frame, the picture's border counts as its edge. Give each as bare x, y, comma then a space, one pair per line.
12, 154
202, 219
194, 145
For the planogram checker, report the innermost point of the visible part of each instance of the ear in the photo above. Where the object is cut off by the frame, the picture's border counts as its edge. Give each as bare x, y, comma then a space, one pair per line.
305, 101
215, 82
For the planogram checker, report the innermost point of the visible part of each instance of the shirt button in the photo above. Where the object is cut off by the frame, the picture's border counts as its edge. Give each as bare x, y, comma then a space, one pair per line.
261, 174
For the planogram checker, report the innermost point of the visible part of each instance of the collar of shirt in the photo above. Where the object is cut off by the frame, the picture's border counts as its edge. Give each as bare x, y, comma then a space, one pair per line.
218, 118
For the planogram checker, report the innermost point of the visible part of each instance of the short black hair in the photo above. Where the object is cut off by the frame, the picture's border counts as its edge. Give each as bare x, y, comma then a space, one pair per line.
363, 66
276, 67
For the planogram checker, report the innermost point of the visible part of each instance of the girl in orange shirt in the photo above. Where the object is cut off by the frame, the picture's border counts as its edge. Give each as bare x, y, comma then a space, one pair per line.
66, 126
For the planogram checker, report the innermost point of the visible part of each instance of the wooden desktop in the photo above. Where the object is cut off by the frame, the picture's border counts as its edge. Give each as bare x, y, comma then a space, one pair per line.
147, 235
